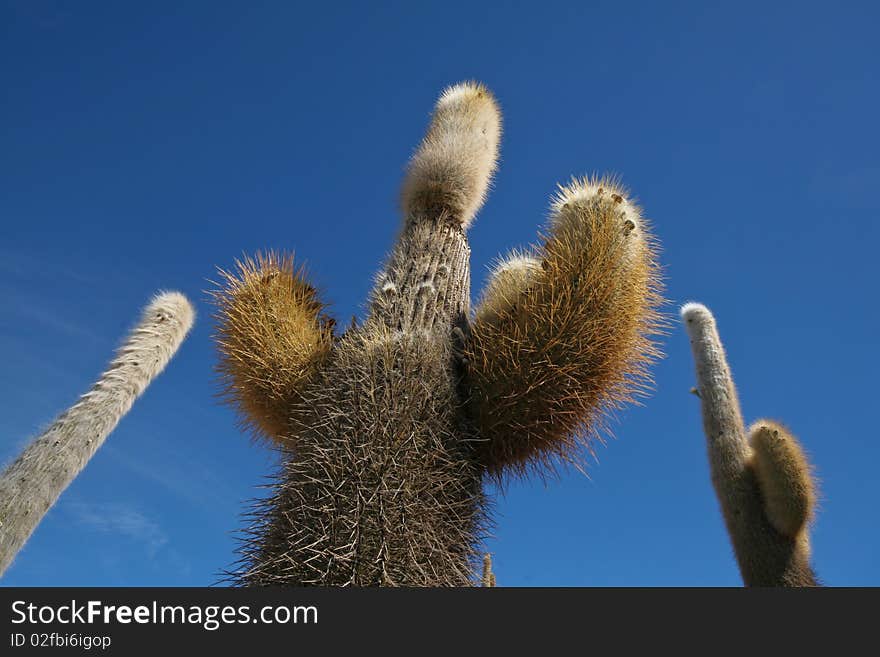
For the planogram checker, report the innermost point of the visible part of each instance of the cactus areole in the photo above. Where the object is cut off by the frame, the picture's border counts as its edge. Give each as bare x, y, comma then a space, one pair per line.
388, 431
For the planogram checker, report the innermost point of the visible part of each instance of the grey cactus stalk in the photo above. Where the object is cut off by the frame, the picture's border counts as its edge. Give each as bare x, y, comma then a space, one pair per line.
388, 430
32, 483
761, 475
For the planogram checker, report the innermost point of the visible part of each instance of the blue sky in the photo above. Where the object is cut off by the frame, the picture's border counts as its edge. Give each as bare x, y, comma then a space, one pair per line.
143, 145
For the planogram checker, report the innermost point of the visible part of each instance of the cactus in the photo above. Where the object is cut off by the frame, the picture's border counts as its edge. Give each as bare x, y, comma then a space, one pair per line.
761, 476
32, 483
487, 580
387, 431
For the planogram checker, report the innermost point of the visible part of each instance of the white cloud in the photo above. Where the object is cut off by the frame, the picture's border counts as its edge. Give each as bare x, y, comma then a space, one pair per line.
122, 520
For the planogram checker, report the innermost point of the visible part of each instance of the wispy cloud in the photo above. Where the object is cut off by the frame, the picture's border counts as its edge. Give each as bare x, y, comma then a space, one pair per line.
121, 520
193, 484
25, 311
32, 298
39, 266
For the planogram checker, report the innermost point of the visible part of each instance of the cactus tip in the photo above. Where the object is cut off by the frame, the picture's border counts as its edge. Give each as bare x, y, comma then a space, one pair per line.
451, 171
465, 92
691, 310
173, 304
582, 192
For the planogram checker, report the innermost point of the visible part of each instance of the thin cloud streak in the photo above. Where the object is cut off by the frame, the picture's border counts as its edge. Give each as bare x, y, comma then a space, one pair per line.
120, 519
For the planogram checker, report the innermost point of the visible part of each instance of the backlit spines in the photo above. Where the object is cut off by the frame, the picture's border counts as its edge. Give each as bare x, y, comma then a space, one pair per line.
31, 484
784, 475
272, 337
510, 279
576, 342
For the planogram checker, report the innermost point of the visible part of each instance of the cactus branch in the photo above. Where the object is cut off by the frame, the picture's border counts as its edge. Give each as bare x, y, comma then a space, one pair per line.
784, 477
31, 484
764, 488
451, 170
272, 336
564, 334
509, 280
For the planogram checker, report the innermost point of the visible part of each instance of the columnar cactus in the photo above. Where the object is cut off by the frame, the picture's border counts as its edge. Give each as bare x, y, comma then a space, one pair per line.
487, 579
761, 476
388, 430
32, 483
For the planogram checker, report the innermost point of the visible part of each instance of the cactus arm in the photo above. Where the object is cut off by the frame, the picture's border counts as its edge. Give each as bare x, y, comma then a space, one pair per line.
272, 336
766, 556
425, 284
31, 484
784, 477
452, 168
564, 333
729, 452
509, 280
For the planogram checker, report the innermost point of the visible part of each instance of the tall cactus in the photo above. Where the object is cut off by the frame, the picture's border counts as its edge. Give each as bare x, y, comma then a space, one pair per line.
388, 430
761, 476
32, 483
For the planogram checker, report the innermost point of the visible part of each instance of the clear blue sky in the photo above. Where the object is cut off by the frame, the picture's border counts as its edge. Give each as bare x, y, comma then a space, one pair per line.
144, 144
